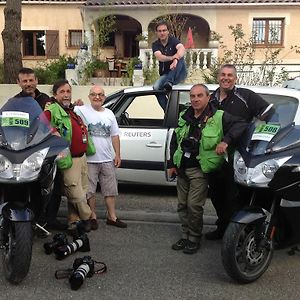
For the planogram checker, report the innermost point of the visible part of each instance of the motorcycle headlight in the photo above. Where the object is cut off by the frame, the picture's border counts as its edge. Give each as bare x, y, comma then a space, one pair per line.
28, 170
261, 174
5, 167
31, 166
269, 168
239, 164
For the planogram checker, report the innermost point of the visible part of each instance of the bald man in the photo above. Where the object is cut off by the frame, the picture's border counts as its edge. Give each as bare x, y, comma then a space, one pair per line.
104, 129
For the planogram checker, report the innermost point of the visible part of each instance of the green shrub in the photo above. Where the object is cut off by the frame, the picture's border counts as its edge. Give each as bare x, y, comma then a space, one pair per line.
48, 73
127, 79
94, 65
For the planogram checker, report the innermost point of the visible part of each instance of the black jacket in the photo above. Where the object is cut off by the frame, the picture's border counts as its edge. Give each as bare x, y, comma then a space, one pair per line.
41, 98
240, 102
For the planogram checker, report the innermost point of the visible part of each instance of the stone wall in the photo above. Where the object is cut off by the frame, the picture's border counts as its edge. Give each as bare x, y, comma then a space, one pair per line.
78, 92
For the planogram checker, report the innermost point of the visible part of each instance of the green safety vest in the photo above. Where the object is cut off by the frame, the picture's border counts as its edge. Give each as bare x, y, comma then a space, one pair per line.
211, 136
61, 120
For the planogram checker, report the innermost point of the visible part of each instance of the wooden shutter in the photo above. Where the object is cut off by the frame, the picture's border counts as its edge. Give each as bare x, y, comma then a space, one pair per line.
52, 44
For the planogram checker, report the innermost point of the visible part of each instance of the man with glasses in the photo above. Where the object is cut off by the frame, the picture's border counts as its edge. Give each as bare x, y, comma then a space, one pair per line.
103, 128
169, 52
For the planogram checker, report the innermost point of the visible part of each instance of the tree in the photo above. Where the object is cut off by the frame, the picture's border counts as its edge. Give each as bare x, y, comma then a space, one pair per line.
12, 39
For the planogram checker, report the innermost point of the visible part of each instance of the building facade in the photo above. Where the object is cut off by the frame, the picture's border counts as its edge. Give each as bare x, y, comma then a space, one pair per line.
59, 27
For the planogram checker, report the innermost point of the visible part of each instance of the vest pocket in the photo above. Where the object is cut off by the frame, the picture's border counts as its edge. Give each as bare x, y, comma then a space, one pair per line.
210, 139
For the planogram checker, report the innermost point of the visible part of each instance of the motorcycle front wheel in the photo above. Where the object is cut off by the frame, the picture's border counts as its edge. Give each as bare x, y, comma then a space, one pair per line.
18, 250
242, 259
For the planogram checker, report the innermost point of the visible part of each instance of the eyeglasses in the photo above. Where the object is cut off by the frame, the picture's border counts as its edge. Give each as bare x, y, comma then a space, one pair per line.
163, 30
95, 95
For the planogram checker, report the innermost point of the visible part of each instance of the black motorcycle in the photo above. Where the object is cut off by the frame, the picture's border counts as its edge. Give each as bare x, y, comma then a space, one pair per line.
267, 166
28, 151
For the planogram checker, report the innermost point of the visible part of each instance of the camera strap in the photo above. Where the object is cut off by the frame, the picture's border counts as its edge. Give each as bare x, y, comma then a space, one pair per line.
100, 267
63, 273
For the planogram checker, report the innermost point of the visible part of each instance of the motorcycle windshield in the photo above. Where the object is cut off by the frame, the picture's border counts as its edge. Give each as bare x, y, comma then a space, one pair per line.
278, 132
23, 124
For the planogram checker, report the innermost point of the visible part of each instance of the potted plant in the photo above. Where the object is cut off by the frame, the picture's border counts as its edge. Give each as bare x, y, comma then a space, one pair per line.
142, 38
96, 68
214, 39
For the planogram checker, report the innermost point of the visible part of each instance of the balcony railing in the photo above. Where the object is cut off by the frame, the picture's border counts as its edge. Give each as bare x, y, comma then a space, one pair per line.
195, 58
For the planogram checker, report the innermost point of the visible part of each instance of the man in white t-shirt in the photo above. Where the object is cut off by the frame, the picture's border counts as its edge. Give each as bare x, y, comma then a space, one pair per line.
104, 130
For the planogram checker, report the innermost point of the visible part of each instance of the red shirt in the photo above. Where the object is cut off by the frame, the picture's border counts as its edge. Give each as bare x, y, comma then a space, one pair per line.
79, 133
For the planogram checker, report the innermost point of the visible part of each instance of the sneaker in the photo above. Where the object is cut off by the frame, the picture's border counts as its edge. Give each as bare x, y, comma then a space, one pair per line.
168, 86
191, 247
180, 244
215, 235
117, 223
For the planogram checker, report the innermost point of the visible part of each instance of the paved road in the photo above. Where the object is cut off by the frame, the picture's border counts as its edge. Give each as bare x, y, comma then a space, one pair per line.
141, 264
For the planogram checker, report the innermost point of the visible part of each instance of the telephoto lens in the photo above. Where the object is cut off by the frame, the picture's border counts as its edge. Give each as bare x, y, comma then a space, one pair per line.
83, 267
82, 243
58, 240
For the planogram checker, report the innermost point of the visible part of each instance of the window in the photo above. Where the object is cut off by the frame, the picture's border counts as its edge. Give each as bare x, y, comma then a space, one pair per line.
133, 112
74, 38
34, 43
268, 32
40, 43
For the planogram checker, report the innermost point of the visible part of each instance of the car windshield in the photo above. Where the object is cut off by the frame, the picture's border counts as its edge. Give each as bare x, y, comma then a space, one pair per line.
278, 132
23, 124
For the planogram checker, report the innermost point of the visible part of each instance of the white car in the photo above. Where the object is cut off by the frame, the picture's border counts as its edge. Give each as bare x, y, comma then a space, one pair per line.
146, 130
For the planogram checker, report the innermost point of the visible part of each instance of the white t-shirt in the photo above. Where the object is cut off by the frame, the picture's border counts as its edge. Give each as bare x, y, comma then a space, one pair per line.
102, 125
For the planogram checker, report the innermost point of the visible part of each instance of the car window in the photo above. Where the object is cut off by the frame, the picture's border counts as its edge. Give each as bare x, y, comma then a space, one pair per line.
184, 100
142, 110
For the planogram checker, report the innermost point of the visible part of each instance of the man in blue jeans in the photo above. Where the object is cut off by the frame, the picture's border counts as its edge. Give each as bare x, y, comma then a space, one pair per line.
172, 69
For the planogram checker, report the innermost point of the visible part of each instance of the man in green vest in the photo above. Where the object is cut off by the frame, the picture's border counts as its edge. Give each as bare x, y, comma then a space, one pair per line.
198, 146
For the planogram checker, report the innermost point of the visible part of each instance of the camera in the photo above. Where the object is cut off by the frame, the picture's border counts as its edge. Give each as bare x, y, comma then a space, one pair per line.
190, 145
82, 244
83, 267
59, 239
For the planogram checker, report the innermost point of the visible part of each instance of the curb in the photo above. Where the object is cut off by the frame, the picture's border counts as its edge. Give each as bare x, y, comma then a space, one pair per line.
145, 216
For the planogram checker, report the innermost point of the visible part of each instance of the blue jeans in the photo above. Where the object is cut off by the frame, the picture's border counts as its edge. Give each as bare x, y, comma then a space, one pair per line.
174, 77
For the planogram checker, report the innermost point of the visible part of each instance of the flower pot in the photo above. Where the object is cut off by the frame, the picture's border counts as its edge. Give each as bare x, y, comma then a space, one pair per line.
143, 44
213, 44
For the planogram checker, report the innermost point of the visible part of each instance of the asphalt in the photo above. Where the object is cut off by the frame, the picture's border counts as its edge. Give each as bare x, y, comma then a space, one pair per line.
146, 204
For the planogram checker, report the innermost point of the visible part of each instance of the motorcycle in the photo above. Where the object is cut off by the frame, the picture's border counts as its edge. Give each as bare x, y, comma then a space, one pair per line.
267, 168
28, 153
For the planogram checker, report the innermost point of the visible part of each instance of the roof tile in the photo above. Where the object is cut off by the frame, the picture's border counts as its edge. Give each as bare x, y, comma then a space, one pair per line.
153, 2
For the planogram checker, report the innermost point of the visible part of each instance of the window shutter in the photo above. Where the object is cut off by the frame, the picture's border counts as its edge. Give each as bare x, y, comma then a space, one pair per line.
52, 45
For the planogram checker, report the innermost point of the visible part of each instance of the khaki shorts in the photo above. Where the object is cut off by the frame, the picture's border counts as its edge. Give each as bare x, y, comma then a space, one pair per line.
105, 174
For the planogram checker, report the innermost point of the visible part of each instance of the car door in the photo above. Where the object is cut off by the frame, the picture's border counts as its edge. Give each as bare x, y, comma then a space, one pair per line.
143, 139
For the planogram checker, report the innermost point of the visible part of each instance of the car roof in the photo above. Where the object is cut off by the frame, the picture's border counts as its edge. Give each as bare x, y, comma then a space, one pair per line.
212, 87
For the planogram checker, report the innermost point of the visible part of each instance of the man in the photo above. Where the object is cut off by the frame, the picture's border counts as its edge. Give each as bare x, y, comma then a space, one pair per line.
197, 147
73, 167
103, 128
169, 52
239, 102
28, 83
